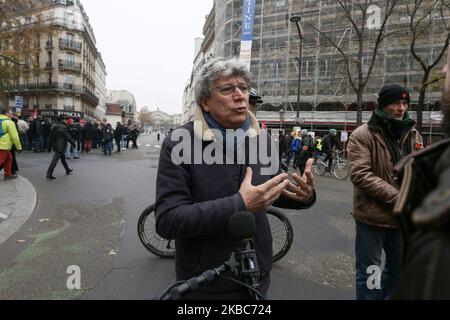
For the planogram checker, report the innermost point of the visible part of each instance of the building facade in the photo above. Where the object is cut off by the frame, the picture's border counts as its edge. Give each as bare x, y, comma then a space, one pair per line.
324, 86
204, 52
113, 114
67, 59
100, 87
127, 102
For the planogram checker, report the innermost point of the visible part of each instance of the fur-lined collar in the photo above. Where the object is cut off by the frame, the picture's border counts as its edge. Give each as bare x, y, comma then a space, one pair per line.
203, 132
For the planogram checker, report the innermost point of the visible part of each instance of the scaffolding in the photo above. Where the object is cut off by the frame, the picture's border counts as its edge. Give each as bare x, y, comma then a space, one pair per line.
325, 85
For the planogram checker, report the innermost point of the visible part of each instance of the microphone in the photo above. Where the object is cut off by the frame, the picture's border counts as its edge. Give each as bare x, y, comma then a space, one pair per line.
242, 227
243, 263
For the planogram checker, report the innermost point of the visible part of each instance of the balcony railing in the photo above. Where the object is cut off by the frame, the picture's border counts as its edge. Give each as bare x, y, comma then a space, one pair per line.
90, 96
69, 108
31, 87
85, 93
70, 45
70, 66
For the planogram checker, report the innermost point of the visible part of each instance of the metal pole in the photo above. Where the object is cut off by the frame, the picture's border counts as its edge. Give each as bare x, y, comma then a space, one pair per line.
296, 20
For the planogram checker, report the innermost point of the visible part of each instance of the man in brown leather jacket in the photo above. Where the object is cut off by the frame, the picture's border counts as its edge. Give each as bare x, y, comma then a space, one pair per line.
424, 209
373, 150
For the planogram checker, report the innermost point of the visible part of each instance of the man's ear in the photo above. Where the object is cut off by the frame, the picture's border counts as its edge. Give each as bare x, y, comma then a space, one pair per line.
204, 105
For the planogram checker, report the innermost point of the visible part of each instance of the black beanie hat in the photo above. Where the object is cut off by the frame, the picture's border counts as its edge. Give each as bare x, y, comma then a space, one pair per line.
391, 93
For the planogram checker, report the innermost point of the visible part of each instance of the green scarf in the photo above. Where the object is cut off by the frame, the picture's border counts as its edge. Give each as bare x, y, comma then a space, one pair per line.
395, 127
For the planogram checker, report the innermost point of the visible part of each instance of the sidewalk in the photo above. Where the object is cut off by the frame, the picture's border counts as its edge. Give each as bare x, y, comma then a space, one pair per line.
18, 199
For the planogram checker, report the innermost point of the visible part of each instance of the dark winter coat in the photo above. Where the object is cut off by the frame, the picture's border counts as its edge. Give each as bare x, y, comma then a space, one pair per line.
424, 210
329, 143
59, 136
194, 203
107, 134
89, 132
306, 149
118, 133
371, 161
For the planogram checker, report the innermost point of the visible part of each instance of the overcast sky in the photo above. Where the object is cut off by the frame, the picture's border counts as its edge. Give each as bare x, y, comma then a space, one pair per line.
148, 46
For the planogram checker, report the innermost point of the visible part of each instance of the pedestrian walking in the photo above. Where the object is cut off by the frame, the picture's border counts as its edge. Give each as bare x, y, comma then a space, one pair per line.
107, 139
373, 150
59, 136
118, 136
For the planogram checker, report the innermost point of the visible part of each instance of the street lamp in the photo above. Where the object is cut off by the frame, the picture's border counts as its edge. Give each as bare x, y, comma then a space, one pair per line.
281, 117
296, 20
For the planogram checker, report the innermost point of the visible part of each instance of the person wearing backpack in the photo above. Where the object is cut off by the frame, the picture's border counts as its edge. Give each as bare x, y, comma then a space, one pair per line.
9, 137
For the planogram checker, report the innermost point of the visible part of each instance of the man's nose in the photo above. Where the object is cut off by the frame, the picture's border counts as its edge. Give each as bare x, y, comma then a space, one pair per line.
238, 93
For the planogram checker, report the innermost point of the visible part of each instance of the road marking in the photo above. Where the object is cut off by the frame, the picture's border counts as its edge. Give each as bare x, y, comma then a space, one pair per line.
3, 216
148, 145
157, 146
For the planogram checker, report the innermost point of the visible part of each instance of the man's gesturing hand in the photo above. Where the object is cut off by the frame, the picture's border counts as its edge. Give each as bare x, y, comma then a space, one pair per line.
261, 197
304, 190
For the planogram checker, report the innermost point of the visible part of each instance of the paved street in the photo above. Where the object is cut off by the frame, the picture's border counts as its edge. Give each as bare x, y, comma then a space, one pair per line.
89, 220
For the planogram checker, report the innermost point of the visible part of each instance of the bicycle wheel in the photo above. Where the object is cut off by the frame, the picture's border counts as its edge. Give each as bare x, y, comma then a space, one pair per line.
340, 170
319, 168
282, 233
150, 239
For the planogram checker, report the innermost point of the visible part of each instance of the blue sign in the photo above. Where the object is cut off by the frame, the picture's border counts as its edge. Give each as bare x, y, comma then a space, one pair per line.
19, 104
248, 20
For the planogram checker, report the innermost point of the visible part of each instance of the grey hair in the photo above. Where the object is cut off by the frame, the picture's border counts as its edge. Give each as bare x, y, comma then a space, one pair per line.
213, 70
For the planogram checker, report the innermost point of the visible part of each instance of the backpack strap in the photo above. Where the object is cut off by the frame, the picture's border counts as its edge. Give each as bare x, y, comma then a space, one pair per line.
1, 128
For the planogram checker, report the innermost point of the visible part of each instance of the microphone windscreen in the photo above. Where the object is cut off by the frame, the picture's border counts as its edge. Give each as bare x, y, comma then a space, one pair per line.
242, 225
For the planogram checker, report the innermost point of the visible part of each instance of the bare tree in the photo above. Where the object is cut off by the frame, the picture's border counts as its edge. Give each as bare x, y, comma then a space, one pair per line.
21, 21
367, 20
424, 18
146, 117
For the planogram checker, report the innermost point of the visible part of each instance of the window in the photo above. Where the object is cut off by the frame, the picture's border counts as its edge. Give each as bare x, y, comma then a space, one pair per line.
69, 81
70, 58
70, 39
69, 104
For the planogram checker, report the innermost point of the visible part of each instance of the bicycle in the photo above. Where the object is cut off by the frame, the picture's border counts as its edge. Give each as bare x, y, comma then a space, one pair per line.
280, 226
339, 166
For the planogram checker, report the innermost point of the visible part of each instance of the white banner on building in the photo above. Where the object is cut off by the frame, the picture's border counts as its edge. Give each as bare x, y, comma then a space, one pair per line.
248, 20
246, 52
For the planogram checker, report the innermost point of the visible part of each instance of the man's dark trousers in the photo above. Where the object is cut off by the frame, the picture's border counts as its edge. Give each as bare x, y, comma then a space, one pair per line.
56, 157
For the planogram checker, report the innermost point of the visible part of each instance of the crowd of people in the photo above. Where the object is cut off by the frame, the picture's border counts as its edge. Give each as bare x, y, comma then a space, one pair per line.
35, 132
301, 146
67, 137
